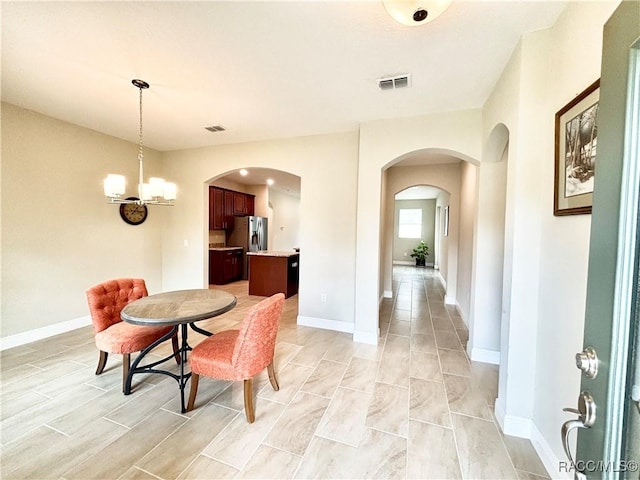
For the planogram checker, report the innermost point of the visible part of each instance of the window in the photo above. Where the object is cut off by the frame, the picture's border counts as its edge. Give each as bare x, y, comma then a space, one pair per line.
410, 223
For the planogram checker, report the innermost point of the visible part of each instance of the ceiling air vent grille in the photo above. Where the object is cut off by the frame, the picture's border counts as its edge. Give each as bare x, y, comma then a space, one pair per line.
215, 128
390, 83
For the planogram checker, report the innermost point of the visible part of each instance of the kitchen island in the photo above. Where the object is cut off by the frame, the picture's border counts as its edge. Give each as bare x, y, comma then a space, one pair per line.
273, 272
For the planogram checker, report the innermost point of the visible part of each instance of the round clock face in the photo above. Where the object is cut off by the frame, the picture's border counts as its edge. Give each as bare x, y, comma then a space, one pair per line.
133, 213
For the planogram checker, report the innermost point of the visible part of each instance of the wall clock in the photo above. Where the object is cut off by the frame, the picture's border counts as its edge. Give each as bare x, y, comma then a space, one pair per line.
133, 213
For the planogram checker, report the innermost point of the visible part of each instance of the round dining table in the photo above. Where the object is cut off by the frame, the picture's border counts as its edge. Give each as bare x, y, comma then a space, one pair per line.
177, 309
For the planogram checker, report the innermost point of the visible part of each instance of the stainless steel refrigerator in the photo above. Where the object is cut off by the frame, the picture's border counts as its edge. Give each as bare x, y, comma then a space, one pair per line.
249, 233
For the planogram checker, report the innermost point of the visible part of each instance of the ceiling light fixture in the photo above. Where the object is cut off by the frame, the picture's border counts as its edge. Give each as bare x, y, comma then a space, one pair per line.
415, 12
156, 192
270, 181
244, 172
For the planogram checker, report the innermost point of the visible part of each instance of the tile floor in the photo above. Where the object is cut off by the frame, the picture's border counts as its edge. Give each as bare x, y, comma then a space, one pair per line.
411, 407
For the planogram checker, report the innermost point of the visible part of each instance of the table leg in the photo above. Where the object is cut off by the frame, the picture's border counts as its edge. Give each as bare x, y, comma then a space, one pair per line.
183, 377
184, 348
199, 330
147, 368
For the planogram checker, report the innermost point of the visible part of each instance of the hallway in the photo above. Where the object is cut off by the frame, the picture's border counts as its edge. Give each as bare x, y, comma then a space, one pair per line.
411, 407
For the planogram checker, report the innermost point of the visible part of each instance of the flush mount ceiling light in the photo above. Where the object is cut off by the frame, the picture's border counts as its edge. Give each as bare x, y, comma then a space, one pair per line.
415, 12
156, 192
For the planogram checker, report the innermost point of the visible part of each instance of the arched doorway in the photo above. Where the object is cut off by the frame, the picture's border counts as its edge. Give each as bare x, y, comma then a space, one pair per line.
273, 196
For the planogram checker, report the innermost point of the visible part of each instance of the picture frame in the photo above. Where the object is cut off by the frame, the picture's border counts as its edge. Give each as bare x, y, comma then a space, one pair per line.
446, 221
576, 133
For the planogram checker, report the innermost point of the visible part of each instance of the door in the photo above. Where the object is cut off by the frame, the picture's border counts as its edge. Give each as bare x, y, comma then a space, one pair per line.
607, 416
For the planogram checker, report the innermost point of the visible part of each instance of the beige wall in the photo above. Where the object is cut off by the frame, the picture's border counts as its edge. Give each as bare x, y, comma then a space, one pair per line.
467, 219
327, 230
488, 268
545, 256
59, 234
284, 228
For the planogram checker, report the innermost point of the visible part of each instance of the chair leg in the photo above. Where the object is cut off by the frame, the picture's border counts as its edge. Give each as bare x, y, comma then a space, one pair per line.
176, 350
195, 378
272, 377
102, 362
248, 400
126, 365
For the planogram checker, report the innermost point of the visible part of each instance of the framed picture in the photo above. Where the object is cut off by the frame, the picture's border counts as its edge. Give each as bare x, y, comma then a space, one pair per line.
575, 153
446, 221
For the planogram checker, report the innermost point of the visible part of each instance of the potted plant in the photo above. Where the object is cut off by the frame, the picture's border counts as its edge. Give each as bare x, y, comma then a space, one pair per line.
420, 253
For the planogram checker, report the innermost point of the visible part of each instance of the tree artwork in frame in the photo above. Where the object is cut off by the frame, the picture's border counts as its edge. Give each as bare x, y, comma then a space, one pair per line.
575, 153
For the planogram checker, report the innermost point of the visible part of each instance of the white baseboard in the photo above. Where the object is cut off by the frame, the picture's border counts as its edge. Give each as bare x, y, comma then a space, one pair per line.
526, 428
510, 424
387, 294
449, 300
485, 356
411, 263
462, 315
366, 337
44, 332
443, 282
325, 324
549, 459
516, 426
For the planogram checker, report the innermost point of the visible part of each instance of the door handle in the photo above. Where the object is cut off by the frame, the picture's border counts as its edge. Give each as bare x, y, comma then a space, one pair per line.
586, 412
566, 429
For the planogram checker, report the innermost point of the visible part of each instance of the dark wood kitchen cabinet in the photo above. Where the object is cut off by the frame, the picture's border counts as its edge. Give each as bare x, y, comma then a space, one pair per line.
216, 209
221, 209
239, 203
225, 265
225, 205
243, 204
250, 201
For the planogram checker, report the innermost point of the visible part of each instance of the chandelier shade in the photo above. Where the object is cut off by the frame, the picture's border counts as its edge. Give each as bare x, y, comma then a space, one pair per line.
156, 192
415, 12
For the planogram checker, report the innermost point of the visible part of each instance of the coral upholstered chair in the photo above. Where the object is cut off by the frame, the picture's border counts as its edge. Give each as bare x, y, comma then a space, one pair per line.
240, 354
112, 335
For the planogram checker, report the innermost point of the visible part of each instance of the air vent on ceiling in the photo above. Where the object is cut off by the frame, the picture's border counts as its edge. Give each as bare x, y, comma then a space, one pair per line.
215, 128
399, 81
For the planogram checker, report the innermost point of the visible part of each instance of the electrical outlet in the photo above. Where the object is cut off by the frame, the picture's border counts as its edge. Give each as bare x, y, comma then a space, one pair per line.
323, 298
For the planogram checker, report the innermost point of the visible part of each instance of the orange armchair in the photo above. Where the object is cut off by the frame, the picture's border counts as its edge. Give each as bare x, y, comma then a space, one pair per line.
240, 354
112, 335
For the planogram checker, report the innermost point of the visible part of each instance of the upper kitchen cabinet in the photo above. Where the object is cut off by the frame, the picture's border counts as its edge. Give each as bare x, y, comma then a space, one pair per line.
220, 209
225, 204
243, 204
250, 201
216, 209
239, 204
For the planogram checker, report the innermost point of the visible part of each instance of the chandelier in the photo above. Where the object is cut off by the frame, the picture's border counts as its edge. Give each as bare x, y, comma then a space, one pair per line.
155, 192
415, 12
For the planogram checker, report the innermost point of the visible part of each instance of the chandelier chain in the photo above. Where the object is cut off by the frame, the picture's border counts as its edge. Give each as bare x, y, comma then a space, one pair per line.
140, 154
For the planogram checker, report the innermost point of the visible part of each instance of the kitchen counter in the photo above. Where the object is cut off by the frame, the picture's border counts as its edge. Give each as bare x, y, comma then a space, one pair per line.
273, 272
224, 249
273, 253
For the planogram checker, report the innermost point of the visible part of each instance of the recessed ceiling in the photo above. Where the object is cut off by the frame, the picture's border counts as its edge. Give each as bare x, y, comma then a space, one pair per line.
282, 181
262, 69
